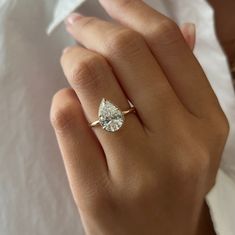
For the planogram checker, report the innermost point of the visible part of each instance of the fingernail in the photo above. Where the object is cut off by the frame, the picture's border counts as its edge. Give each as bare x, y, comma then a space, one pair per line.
66, 50
191, 29
72, 18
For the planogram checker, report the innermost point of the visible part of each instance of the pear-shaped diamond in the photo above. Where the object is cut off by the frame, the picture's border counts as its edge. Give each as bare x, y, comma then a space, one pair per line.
111, 117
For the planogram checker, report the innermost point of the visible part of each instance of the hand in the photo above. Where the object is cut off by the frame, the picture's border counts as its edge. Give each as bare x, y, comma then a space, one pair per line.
150, 177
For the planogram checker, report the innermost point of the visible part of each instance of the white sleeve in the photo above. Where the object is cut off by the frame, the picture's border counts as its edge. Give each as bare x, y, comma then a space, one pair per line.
221, 202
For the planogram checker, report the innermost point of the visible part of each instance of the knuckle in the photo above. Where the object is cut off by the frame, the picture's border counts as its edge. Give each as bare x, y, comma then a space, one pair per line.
62, 116
86, 74
124, 41
219, 126
165, 33
166, 27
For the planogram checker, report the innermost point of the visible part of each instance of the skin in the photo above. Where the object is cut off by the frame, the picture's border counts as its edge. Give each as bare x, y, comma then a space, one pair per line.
152, 176
225, 24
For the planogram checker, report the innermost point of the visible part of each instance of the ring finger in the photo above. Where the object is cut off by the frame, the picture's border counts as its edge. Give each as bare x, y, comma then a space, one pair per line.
92, 79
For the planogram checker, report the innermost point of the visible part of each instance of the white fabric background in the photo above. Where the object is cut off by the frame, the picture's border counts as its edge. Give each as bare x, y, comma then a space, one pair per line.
34, 193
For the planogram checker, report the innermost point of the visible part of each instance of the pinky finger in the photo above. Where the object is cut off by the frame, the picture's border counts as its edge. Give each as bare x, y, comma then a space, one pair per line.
82, 154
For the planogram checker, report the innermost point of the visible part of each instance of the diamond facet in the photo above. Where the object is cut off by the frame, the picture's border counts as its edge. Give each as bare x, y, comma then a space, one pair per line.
111, 117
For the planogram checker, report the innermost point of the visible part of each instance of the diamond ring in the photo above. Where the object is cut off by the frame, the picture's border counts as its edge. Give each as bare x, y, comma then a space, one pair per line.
111, 118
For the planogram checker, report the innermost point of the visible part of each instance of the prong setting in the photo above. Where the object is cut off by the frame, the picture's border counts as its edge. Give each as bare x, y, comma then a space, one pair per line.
111, 117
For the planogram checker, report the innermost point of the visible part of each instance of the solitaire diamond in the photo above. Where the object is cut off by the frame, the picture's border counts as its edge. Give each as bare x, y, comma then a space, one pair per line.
111, 117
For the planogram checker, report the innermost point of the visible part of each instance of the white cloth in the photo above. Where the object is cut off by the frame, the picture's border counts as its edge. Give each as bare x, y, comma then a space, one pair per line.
34, 193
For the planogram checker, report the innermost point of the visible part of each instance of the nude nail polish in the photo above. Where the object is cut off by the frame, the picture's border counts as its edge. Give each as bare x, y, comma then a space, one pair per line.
191, 29
72, 18
66, 50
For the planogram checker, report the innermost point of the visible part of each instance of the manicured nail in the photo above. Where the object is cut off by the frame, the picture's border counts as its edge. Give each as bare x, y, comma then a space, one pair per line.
66, 50
189, 32
72, 18
191, 28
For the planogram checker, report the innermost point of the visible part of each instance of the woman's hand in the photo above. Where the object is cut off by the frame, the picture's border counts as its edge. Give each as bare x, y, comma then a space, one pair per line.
151, 176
